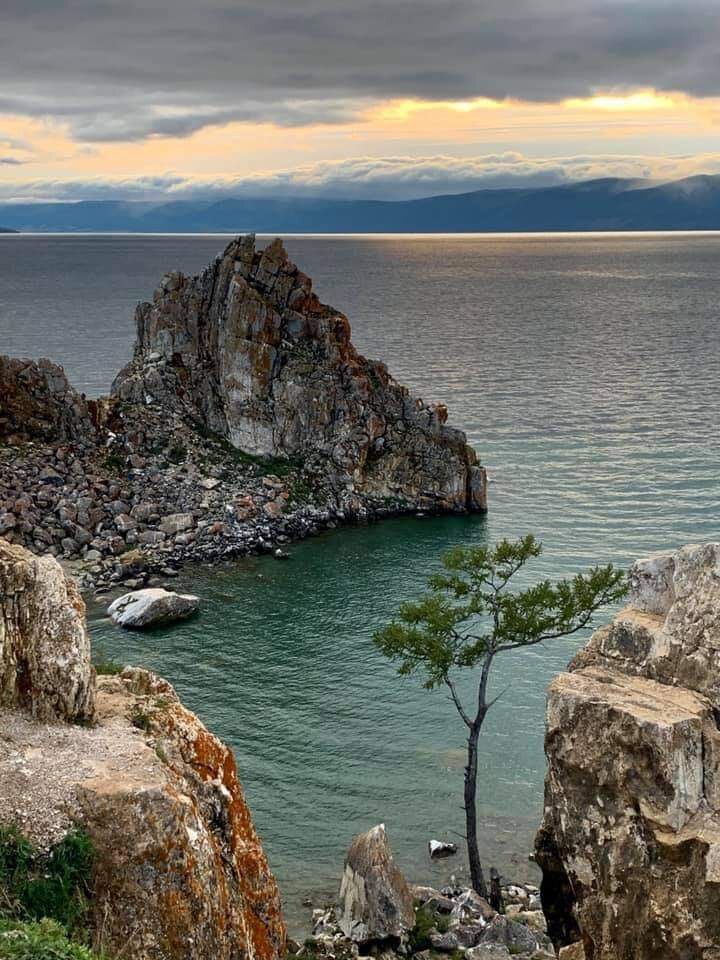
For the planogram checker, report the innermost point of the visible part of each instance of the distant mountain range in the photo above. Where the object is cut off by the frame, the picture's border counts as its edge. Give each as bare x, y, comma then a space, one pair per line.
608, 204
7, 230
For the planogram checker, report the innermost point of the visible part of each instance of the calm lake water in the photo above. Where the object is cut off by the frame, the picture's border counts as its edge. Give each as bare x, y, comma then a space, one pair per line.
584, 369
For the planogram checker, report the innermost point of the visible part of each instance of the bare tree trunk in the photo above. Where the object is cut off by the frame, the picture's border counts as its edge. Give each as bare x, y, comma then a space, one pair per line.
477, 877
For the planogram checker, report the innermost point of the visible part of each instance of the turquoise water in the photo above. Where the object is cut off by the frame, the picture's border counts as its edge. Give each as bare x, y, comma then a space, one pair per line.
585, 370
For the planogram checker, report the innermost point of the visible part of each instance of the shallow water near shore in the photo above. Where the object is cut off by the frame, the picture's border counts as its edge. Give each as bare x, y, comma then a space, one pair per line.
585, 370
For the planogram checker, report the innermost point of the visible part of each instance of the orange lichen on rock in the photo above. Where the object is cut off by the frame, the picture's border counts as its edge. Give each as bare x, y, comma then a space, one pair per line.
183, 857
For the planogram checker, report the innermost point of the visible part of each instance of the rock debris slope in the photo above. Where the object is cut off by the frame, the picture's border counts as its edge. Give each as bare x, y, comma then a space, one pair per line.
250, 352
180, 873
630, 843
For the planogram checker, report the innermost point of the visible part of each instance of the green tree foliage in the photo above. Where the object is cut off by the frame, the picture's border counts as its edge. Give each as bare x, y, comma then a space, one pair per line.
470, 615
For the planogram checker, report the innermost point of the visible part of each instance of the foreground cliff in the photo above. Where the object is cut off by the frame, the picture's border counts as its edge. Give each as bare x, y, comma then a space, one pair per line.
630, 843
249, 350
179, 871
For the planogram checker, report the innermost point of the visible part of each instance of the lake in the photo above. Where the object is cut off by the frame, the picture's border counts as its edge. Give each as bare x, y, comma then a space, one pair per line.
585, 370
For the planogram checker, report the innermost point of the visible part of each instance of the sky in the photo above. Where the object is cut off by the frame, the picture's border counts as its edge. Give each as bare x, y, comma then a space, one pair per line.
158, 99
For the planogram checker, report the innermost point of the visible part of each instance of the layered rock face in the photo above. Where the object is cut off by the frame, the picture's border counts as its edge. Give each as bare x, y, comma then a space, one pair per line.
249, 351
37, 402
45, 664
630, 843
179, 872
376, 899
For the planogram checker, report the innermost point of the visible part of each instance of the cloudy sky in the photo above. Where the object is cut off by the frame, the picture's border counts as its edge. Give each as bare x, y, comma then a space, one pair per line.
377, 98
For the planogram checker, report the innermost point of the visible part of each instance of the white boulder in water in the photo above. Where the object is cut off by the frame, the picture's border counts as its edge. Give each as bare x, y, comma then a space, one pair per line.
151, 607
440, 848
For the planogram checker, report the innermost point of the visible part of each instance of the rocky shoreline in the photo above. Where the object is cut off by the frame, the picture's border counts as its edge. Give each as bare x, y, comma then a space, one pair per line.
246, 421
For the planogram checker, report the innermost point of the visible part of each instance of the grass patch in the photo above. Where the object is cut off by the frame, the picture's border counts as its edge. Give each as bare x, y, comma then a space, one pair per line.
140, 718
42, 940
105, 666
426, 920
224, 451
36, 885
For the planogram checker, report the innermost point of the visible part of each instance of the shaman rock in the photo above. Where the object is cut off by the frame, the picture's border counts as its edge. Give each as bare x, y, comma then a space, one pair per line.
376, 902
250, 352
37, 402
630, 842
45, 666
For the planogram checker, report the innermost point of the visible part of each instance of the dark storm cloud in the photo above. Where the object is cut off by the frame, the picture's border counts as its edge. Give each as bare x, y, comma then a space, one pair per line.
127, 70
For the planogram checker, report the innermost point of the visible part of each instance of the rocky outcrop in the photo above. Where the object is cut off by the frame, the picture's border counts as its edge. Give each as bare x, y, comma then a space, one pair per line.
45, 664
455, 921
376, 903
37, 402
152, 608
253, 355
246, 420
630, 843
179, 871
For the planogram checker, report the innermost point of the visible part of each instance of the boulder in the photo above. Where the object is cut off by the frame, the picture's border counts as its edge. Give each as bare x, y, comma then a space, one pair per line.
376, 902
45, 666
152, 607
630, 841
247, 350
438, 849
38, 403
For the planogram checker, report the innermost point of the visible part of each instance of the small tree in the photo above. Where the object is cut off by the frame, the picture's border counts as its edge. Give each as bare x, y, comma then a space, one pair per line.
470, 616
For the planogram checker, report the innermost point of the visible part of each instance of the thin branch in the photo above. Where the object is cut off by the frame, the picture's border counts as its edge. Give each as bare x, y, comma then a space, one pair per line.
456, 701
497, 697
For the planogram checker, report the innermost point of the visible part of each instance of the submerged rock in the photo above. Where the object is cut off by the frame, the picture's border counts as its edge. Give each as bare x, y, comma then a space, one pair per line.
247, 349
630, 843
376, 902
151, 608
45, 664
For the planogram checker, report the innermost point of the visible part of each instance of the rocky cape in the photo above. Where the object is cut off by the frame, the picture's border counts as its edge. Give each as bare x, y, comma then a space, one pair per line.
179, 871
246, 419
630, 842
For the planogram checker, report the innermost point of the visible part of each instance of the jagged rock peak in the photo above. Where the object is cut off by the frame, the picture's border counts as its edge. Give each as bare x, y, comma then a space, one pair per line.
45, 666
250, 352
630, 842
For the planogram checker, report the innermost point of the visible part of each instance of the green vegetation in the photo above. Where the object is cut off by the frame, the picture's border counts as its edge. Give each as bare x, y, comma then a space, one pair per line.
426, 920
115, 463
140, 718
35, 885
470, 616
105, 666
221, 451
44, 940
176, 453
44, 897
